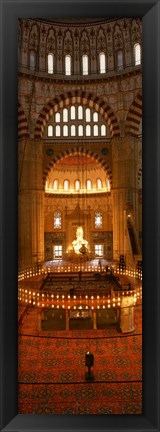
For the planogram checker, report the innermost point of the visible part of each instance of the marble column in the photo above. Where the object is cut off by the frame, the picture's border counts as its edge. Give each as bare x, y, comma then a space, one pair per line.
67, 319
30, 203
125, 193
127, 315
94, 320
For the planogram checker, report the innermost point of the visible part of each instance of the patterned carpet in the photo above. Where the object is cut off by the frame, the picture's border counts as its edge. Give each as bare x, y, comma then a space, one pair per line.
86, 398
52, 369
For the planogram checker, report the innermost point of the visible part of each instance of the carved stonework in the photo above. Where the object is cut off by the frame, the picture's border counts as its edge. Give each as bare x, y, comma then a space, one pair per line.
85, 43
118, 38
101, 42
34, 38
135, 31
68, 43
51, 43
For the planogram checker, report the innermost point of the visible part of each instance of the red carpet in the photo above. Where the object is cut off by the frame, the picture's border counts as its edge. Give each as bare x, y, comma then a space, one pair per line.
86, 398
52, 370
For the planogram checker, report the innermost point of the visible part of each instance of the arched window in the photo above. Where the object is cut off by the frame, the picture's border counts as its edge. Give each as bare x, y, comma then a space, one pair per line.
108, 184
95, 117
102, 62
57, 117
67, 65
88, 130
119, 59
55, 184
137, 54
66, 184
57, 220
65, 115
80, 130
65, 130
58, 131
95, 130
73, 130
85, 65
50, 130
47, 184
99, 184
88, 115
73, 112
32, 60
98, 219
77, 185
80, 112
89, 184
50, 63
103, 130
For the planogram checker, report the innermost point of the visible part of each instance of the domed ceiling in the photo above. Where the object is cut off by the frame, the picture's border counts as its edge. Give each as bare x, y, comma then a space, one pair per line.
77, 161
77, 167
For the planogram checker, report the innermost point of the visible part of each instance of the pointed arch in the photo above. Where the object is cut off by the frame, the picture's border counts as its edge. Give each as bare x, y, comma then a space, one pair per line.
83, 98
72, 151
22, 123
134, 117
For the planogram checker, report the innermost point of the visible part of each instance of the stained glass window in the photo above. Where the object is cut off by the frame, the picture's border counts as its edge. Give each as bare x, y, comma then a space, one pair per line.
98, 220
57, 219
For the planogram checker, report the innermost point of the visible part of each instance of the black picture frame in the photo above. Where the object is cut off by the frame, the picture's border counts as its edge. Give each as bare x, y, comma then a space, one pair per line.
10, 12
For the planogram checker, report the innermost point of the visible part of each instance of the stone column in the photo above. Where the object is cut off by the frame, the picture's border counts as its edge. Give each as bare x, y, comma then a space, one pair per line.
125, 193
94, 320
30, 203
67, 319
127, 315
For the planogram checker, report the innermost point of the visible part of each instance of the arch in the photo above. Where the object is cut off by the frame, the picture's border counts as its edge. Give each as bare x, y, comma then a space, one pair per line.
89, 184
50, 61
139, 175
66, 184
102, 62
82, 151
50, 130
134, 117
56, 184
85, 63
68, 64
99, 184
119, 59
83, 98
32, 59
22, 123
137, 54
77, 185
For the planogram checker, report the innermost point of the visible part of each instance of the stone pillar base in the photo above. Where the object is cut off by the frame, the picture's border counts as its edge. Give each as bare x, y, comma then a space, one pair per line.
127, 315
